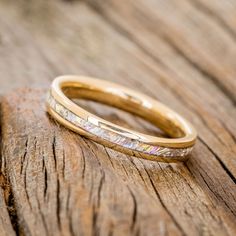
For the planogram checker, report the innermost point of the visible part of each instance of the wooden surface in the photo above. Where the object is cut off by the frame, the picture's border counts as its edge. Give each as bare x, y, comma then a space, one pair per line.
54, 182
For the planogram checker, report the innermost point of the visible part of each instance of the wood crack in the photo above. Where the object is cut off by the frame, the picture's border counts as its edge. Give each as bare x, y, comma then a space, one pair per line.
42, 216
24, 155
10, 203
220, 161
163, 204
101, 182
84, 162
217, 196
54, 151
58, 205
44, 170
6, 186
135, 208
109, 157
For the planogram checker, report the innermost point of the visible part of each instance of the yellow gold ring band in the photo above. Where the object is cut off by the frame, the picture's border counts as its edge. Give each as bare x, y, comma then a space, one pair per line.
74, 117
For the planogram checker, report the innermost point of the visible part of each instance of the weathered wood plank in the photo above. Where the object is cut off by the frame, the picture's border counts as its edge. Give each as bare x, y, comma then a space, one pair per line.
209, 102
64, 184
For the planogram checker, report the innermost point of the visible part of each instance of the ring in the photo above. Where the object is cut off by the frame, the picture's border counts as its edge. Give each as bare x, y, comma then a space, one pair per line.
62, 108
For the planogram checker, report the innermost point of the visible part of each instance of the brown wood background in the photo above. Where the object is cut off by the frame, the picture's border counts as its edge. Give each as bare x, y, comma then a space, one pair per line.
54, 182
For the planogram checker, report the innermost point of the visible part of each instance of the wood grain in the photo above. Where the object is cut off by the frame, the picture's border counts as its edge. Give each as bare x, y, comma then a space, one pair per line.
186, 27
6, 227
63, 184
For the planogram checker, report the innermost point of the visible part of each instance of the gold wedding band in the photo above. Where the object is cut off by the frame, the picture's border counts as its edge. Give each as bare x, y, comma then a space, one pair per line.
71, 115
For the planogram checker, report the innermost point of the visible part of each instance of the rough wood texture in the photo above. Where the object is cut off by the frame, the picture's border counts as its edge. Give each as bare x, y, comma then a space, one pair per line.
6, 227
54, 182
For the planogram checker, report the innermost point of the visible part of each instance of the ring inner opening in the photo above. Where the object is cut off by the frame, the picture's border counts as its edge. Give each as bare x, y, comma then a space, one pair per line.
127, 102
